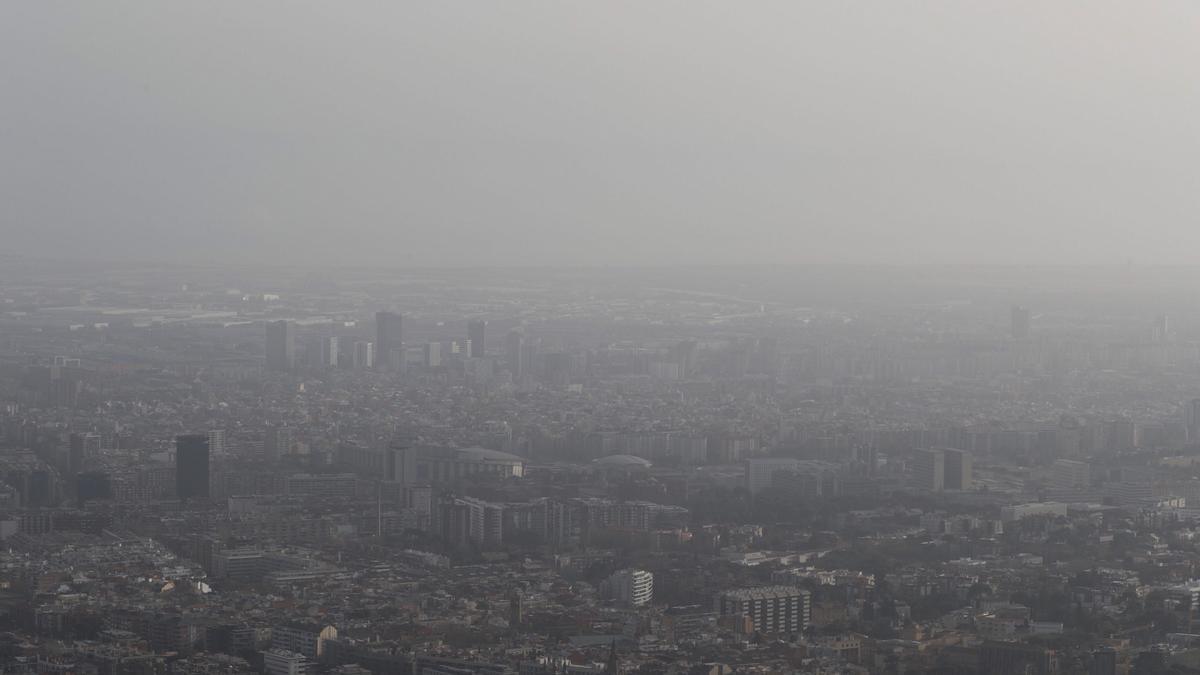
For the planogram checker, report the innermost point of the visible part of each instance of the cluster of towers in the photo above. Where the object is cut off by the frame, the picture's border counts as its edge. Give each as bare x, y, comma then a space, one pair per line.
388, 351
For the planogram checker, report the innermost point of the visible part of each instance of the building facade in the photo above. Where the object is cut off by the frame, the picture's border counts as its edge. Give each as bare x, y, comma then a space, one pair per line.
772, 609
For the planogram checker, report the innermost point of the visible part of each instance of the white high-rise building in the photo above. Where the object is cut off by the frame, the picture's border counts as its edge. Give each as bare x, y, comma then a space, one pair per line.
1070, 474
630, 587
216, 442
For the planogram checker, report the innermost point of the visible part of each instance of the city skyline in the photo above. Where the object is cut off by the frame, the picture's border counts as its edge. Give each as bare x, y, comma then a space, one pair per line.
977, 470
599, 338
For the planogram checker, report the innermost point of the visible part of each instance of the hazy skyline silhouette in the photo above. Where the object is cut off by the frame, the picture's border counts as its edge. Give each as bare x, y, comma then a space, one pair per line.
610, 133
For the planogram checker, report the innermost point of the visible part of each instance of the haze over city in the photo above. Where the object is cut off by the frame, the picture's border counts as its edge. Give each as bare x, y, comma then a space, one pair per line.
613, 133
599, 338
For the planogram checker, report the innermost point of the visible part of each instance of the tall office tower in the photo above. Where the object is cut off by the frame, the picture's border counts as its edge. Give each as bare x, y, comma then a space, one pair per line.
433, 354
1067, 475
74, 456
278, 441
329, 352
530, 349
1122, 435
773, 609
389, 341
514, 345
1162, 328
364, 355
82, 447
477, 334
1191, 413
42, 485
516, 608
191, 466
684, 355
1020, 322
216, 441
281, 346
957, 469
400, 464
91, 485
761, 471
929, 469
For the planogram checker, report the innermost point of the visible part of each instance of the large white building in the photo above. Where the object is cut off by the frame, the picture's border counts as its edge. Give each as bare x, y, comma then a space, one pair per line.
1017, 512
284, 662
425, 466
321, 485
1070, 474
216, 442
760, 472
809, 475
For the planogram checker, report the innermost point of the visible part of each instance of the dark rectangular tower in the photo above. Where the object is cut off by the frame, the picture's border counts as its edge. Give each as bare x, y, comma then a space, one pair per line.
281, 346
477, 334
515, 346
191, 466
389, 340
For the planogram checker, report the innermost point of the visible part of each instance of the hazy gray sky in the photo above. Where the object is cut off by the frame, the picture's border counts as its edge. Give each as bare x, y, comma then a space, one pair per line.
602, 132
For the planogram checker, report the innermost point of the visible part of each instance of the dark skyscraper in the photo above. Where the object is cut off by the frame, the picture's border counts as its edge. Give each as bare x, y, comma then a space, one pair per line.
929, 469
191, 466
477, 334
281, 346
363, 355
515, 346
389, 340
92, 485
82, 447
329, 352
957, 469
1020, 322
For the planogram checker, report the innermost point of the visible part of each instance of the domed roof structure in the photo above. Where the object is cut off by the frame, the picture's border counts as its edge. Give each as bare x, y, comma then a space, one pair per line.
629, 461
487, 454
